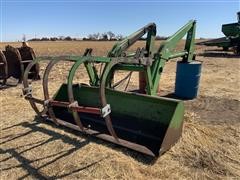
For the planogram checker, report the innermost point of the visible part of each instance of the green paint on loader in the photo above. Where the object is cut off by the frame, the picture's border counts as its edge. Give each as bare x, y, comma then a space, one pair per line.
149, 121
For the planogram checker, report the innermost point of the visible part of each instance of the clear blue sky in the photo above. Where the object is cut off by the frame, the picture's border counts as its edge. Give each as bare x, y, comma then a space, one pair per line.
79, 18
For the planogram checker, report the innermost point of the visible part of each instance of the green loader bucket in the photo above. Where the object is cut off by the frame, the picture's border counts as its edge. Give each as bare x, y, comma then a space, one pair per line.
147, 124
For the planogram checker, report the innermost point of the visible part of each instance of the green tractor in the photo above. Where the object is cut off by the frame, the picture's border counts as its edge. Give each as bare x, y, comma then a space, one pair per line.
231, 39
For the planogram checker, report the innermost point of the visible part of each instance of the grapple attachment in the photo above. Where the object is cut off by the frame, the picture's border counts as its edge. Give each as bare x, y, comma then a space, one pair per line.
142, 122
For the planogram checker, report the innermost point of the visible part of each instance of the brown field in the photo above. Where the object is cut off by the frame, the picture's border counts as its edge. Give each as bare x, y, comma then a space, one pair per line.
208, 149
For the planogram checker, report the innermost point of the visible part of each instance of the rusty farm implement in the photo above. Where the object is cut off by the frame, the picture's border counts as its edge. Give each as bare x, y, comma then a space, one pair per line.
141, 120
13, 62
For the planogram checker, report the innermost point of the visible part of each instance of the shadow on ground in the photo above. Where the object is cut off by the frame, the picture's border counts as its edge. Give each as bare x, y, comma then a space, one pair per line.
36, 171
26, 163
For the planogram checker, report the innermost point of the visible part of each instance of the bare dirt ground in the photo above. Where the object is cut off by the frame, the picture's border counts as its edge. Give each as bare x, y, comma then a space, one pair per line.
208, 149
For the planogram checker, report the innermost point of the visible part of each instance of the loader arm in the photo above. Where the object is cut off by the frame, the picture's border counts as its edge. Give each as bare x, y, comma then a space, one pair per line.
166, 52
152, 73
119, 48
166, 49
123, 45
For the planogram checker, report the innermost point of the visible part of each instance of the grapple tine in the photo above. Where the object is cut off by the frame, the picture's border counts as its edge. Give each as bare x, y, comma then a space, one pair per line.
103, 96
75, 114
45, 89
27, 90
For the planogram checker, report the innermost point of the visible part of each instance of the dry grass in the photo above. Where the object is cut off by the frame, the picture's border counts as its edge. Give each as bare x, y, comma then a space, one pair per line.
209, 147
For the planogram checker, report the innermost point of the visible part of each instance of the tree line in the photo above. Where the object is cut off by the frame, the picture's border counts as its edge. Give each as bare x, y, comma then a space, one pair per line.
106, 36
60, 38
